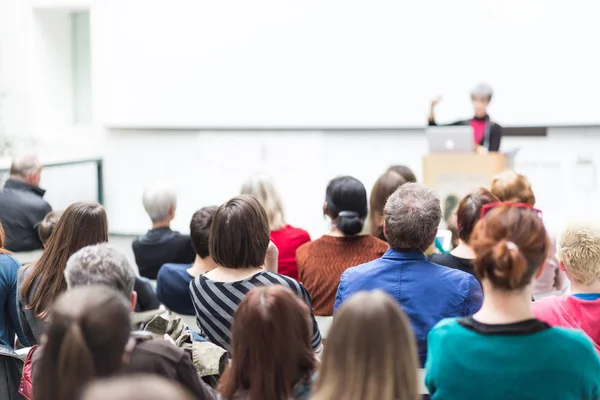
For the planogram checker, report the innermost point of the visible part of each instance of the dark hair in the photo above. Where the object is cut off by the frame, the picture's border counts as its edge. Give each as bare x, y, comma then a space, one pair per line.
138, 387
200, 230
81, 225
48, 224
385, 186
469, 210
239, 236
86, 336
405, 172
346, 199
270, 345
510, 245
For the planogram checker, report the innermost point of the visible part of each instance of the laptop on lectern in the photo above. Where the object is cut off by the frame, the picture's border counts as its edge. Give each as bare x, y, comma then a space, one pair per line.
450, 139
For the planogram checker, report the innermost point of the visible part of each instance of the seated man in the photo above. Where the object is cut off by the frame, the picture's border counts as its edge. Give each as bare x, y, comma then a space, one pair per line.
173, 281
579, 257
22, 206
161, 245
426, 291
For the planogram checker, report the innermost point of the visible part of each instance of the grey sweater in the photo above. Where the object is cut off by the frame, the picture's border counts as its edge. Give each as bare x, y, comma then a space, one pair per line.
32, 327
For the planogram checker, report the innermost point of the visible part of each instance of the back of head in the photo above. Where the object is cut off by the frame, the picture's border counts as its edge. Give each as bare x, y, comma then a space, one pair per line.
346, 204
263, 188
239, 235
385, 186
579, 251
85, 339
469, 211
510, 245
100, 264
48, 225
405, 172
81, 225
24, 165
200, 230
512, 187
159, 201
370, 353
412, 216
140, 387
271, 345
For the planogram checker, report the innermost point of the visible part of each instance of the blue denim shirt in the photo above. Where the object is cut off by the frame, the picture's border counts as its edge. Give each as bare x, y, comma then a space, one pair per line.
426, 291
9, 319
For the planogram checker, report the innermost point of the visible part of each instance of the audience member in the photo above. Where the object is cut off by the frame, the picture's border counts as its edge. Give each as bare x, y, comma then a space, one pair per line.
48, 225
40, 284
161, 245
495, 346
103, 265
578, 255
383, 188
85, 339
426, 291
9, 320
512, 187
173, 281
322, 261
22, 206
467, 215
141, 387
405, 172
239, 239
370, 352
271, 350
286, 237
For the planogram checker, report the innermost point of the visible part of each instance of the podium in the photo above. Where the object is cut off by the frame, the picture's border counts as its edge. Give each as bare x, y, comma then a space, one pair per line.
454, 175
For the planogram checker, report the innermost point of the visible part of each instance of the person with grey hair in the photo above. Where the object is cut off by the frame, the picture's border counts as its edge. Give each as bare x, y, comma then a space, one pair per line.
486, 133
426, 291
161, 245
102, 264
22, 206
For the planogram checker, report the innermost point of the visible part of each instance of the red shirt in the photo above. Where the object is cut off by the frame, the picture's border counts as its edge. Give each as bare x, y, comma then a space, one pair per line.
478, 129
287, 240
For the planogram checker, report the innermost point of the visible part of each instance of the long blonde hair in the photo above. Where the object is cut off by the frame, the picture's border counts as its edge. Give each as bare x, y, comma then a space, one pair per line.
263, 188
370, 352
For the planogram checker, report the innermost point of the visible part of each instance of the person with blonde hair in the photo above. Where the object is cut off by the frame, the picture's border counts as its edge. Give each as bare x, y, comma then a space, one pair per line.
510, 186
370, 353
286, 238
579, 256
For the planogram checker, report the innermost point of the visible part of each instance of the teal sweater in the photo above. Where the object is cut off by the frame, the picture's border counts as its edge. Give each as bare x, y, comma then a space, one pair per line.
466, 362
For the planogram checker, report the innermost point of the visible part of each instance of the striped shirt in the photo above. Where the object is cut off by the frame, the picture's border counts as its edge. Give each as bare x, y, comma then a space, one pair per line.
215, 303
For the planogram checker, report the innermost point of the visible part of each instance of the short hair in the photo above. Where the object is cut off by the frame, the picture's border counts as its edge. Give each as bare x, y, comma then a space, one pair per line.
482, 90
469, 211
405, 172
200, 230
24, 164
412, 216
239, 236
137, 387
100, 264
579, 251
509, 186
158, 201
48, 224
263, 188
346, 199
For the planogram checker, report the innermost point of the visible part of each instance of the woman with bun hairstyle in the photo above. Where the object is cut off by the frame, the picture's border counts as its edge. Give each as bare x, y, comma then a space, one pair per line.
502, 351
322, 261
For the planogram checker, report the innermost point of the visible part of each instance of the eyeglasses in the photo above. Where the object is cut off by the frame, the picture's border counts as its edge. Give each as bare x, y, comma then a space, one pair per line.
488, 207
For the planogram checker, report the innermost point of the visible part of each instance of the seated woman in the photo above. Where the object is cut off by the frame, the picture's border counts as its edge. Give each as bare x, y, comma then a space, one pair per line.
383, 188
322, 261
173, 281
286, 237
239, 240
467, 215
84, 340
579, 256
510, 186
271, 350
370, 353
405, 172
81, 225
486, 356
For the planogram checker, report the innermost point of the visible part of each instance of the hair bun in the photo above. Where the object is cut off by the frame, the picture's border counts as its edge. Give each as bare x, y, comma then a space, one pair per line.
508, 263
348, 214
349, 222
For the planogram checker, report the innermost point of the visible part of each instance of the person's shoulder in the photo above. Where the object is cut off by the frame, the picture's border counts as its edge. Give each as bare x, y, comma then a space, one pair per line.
542, 307
305, 249
297, 233
160, 349
379, 245
447, 326
7, 260
361, 270
576, 344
